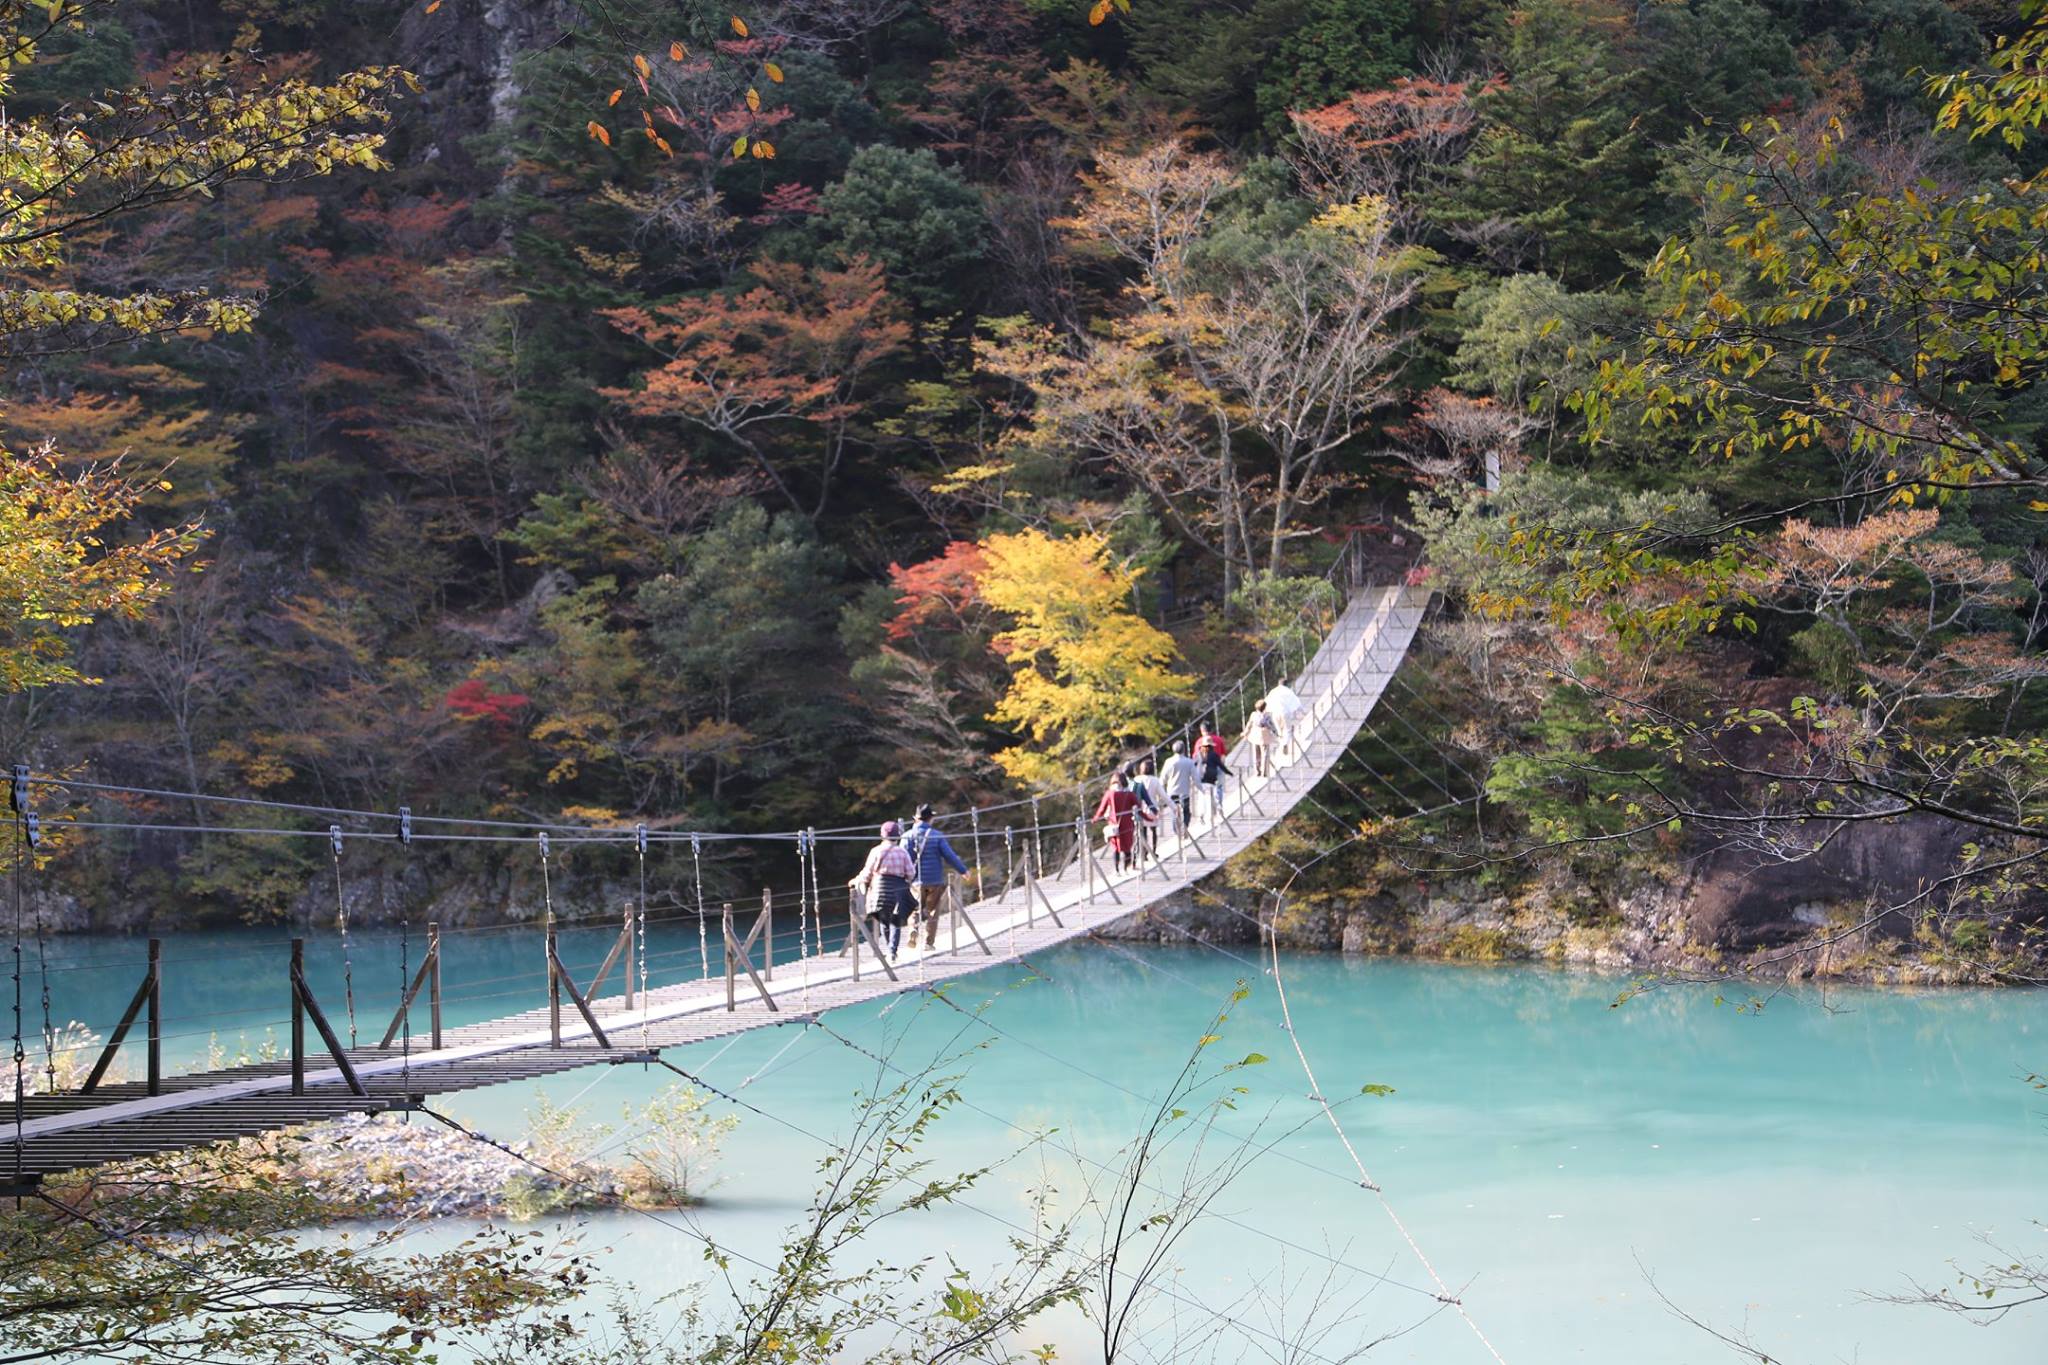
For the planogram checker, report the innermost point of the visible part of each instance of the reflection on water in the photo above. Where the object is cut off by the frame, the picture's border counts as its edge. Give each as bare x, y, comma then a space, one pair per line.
1547, 1149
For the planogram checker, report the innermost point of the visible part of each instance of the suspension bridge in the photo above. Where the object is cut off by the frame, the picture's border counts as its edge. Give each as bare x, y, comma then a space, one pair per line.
1052, 883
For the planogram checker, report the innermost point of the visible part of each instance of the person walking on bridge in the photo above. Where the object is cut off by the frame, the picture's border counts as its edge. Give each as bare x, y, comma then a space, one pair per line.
1179, 781
1119, 814
884, 882
933, 853
1152, 800
1261, 735
1213, 771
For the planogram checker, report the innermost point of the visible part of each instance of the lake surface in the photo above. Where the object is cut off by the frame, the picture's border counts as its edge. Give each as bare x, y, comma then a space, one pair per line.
1550, 1154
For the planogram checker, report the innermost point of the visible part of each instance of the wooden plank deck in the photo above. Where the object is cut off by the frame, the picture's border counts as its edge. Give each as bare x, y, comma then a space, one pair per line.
1340, 686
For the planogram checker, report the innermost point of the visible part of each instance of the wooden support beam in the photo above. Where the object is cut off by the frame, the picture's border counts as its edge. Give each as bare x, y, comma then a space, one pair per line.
740, 952
960, 917
145, 994
1033, 888
434, 984
852, 928
622, 944
304, 1004
430, 969
567, 983
1095, 871
554, 987
867, 929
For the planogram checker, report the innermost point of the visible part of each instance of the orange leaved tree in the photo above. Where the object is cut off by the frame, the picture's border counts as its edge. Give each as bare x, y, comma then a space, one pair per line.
782, 371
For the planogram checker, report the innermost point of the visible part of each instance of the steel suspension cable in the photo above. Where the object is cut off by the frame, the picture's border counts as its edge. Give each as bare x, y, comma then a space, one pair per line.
1444, 1293
697, 873
348, 974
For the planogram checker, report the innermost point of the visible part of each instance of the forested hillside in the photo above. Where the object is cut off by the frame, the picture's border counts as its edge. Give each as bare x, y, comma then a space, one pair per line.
751, 418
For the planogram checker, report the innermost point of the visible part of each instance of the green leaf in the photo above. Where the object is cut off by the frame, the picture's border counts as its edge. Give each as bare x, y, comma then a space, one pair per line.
1376, 1090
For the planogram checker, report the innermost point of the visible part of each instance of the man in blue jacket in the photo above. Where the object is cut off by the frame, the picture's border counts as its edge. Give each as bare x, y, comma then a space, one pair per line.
933, 854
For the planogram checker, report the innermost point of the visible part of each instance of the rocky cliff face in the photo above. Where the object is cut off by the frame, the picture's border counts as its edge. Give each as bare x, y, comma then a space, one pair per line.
467, 55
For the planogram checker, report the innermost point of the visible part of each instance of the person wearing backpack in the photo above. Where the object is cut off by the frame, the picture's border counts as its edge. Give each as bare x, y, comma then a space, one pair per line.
932, 853
1213, 771
1152, 802
1119, 814
884, 884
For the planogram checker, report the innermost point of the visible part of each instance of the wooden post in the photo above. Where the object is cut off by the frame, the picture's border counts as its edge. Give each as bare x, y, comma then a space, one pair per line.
563, 982
1034, 892
631, 949
1087, 854
1095, 873
430, 971
726, 921
958, 890
156, 1017
554, 992
742, 953
853, 926
434, 984
767, 933
302, 997
298, 1020
1009, 864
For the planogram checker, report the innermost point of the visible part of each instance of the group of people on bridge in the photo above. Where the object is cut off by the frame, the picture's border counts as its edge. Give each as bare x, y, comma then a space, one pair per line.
904, 879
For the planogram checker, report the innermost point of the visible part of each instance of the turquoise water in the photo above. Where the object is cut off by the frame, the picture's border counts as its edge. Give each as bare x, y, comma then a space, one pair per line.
1551, 1155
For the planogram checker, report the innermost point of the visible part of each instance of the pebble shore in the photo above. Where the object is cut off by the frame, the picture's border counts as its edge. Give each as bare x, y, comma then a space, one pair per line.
395, 1166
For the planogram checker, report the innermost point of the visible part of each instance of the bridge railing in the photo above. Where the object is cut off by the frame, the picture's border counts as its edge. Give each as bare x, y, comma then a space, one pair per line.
1013, 846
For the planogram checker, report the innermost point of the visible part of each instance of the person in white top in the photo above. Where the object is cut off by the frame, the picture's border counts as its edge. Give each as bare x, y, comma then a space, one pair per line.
1154, 792
1179, 781
1260, 732
1285, 706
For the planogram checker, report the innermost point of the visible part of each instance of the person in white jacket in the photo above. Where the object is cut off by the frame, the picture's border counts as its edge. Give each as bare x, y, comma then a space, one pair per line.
1285, 706
1179, 780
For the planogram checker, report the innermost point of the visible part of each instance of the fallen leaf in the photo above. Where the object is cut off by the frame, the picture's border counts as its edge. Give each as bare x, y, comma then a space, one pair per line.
739, 26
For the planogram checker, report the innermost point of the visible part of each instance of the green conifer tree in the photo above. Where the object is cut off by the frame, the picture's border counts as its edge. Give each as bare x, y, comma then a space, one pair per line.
1559, 161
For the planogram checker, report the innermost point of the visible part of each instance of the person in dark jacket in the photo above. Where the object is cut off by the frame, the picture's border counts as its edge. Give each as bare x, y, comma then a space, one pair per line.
1213, 770
933, 853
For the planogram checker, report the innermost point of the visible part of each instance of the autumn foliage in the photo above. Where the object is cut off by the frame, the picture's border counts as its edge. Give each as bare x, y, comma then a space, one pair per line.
1087, 674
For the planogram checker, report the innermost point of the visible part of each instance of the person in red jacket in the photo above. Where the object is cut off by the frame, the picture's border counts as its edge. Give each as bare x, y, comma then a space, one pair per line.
1209, 742
1119, 814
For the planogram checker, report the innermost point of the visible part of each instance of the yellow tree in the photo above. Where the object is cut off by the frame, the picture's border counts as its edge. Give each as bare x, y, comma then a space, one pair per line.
204, 123
207, 122
57, 570
1088, 673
